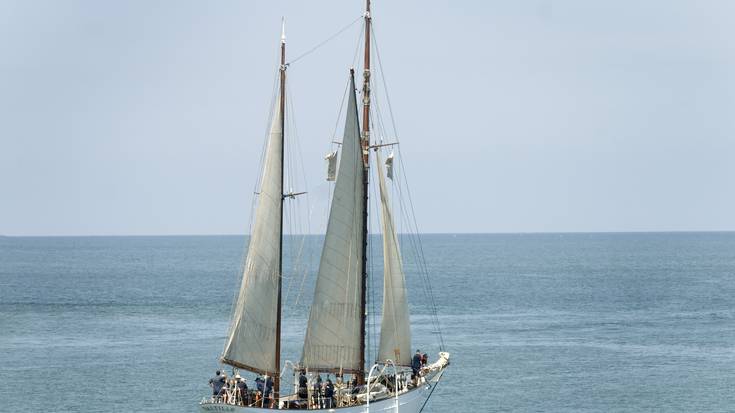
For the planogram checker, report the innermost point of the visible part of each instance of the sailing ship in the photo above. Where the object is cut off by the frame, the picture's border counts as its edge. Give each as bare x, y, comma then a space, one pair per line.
335, 339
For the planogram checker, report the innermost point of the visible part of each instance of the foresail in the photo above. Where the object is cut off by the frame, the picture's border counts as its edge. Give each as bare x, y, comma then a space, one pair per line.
333, 332
252, 334
395, 328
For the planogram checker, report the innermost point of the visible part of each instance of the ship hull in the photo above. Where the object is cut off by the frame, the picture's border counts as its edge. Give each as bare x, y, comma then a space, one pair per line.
409, 402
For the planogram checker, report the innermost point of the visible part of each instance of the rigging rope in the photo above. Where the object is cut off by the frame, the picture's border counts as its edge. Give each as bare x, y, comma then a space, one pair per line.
319, 45
299, 226
413, 224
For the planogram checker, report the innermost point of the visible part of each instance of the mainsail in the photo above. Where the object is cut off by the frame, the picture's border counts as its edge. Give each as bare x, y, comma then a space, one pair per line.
333, 333
395, 328
251, 340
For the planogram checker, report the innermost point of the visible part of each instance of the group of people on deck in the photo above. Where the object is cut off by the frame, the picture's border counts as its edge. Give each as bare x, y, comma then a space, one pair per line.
417, 363
235, 390
322, 393
322, 396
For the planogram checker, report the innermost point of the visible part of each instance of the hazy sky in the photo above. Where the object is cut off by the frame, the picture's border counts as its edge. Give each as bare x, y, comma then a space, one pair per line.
147, 117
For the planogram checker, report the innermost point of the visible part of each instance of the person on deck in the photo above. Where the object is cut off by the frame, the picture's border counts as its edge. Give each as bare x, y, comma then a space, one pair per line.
316, 391
303, 383
223, 392
424, 359
329, 394
217, 382
268, 394
355, 387
258, 398
416, 365
242, 390
260, 386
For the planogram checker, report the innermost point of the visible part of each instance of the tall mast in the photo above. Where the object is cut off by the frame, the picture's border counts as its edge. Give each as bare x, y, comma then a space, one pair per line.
277, 374
366, 166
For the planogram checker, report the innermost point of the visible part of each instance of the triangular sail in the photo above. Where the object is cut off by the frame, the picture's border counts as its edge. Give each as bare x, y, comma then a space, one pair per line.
333, 332
395, 328
251, 340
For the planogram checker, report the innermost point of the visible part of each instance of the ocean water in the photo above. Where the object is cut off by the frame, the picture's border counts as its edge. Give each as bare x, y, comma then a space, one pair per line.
534, 322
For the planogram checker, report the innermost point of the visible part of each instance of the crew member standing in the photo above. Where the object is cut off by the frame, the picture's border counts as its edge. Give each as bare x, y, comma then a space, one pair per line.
416, 366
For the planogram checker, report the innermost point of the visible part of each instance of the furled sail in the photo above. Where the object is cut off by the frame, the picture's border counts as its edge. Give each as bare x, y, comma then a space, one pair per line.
331, 159
389, 166
251, 338
395, 328
333, 332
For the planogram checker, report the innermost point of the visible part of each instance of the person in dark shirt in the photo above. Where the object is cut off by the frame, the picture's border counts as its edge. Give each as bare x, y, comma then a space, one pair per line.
328, 394
416, 365
303, 383
355, 387
316, 392
268, 391
260, 386
217, 382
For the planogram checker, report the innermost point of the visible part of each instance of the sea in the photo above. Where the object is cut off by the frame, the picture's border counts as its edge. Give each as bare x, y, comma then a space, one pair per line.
568, 322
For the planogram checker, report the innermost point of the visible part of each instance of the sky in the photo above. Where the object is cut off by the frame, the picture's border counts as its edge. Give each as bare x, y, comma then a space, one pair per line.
148, 117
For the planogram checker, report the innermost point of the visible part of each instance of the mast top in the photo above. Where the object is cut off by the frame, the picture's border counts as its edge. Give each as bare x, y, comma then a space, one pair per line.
283, 30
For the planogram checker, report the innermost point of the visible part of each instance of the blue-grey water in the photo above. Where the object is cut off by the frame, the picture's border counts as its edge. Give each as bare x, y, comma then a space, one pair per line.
545, 322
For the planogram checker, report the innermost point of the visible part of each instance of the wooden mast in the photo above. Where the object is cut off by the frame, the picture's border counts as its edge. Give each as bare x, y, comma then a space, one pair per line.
277, 374
365, 176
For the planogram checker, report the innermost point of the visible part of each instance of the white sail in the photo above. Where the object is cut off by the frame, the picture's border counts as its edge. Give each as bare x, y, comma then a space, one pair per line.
252, 334
395, 328
333, 332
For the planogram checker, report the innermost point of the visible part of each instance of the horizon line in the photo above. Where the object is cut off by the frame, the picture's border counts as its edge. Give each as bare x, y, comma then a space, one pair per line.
375, 233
